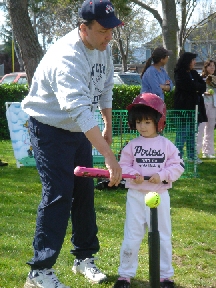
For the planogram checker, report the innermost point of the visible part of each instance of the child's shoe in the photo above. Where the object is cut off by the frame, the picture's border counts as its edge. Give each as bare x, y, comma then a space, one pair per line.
122, 283
166, 283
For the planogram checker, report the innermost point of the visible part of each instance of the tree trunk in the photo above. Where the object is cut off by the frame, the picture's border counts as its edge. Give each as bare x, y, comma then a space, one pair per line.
169, 25
169, 31
181, 33
27, 40
18, 55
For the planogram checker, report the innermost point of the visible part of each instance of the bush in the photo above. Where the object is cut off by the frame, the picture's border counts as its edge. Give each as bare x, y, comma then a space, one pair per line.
169, 99
9, 93
123, 95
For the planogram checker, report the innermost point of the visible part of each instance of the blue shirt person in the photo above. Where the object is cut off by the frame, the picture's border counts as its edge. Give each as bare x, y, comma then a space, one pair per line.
154, 77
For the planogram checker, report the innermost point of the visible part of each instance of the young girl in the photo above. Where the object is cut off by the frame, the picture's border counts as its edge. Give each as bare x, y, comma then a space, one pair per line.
154, 77
148, 155
206, 143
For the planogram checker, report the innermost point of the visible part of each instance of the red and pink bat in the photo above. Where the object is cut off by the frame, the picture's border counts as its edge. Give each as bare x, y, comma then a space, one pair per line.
99, 173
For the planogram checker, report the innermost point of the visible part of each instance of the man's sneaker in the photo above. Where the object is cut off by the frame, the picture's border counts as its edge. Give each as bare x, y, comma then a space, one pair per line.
43, 279
122, 284
89, 270
167, 283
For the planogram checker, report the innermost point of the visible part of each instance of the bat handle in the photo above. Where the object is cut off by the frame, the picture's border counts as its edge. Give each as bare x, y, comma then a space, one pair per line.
134, 176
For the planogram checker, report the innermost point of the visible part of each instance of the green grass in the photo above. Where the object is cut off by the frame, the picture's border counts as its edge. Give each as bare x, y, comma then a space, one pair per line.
193, 211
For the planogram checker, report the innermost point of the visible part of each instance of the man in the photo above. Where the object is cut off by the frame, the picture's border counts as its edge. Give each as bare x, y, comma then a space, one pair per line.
74, 77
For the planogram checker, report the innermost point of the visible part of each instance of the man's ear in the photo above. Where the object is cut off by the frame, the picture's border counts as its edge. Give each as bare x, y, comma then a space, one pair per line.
83, 29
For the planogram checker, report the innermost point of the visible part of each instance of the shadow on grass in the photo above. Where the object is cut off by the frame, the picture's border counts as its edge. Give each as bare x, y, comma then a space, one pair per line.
135, 283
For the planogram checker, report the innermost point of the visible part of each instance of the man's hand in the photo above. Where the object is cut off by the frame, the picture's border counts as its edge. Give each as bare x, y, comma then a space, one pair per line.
114, 170
98, 141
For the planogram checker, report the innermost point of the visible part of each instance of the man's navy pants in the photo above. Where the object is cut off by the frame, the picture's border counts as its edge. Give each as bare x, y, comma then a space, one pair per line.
57, 153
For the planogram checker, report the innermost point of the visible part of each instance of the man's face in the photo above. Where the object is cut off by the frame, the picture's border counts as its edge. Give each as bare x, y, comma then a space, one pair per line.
96, 36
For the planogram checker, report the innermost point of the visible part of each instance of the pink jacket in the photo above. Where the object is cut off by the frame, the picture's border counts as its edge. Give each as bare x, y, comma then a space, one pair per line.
147, 156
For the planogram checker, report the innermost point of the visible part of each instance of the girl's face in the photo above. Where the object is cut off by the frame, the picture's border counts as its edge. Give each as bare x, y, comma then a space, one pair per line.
192, 64
210, 68
146, 128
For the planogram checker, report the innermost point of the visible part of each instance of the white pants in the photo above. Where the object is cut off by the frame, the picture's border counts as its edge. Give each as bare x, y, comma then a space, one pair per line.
205, 139
137, 220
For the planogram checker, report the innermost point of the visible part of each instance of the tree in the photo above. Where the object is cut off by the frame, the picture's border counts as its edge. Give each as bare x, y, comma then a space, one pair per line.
201, 35
169, 26
53, 19
174, 35
121, 36
31, 51
10, 43
128, 36
26, 33
203, 38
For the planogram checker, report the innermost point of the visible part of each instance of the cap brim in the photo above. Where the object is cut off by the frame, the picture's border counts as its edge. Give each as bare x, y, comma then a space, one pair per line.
109, 22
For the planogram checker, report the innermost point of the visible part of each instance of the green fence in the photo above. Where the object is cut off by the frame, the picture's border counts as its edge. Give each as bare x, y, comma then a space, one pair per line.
177, 122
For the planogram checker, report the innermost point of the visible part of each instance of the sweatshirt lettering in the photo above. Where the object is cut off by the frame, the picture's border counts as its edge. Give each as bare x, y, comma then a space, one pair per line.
151, 156
98, 68
140, 151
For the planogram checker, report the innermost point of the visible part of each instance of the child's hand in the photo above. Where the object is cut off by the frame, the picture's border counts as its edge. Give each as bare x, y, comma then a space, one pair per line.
139, 179
155, 179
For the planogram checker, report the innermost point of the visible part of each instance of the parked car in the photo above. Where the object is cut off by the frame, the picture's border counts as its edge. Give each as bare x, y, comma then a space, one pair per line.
16, 77
127, 78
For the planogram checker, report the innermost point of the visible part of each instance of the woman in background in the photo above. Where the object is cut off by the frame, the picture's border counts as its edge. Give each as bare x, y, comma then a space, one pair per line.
154, 77
189, 87
206, 142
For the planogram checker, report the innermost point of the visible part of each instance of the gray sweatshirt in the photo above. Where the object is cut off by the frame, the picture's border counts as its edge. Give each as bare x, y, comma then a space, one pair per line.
69, 84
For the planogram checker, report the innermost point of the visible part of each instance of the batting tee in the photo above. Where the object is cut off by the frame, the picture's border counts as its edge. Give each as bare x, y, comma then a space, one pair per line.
178, 122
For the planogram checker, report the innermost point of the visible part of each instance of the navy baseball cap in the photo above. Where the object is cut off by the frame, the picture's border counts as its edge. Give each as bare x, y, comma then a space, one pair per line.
100, 10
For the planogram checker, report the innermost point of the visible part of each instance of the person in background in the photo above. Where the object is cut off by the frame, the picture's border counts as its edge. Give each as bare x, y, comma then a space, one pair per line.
2, 163
154, 77
189, 87
74, 77
206, 142
150, 154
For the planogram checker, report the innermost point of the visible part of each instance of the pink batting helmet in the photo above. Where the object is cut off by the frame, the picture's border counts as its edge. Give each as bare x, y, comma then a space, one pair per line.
153, 101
